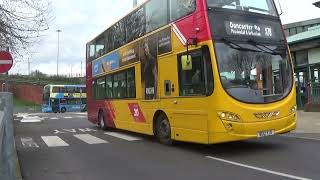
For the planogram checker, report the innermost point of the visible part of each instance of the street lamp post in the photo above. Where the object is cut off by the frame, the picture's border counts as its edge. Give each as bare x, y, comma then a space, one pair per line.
58, 51
71, 70
81, 69
29, 66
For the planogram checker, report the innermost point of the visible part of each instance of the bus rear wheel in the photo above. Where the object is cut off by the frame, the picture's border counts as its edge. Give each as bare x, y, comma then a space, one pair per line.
163, 130
101, 122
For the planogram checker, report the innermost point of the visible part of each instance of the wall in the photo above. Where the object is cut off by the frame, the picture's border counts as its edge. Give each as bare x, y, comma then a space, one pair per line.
26, 92
314, 55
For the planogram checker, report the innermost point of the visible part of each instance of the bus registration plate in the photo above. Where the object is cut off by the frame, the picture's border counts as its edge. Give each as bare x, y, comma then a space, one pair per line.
265, 133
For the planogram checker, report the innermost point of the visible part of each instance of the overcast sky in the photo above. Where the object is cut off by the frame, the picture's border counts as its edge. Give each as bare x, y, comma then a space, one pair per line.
81, 20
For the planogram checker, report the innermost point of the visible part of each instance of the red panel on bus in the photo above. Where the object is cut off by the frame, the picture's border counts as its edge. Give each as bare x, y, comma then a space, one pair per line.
136, 112
196, 25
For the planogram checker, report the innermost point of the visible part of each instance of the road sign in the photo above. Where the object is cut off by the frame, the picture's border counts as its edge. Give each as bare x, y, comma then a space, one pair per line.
6, 61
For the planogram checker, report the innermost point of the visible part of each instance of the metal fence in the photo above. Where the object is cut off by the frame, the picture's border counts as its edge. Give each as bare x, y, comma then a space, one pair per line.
313, 94
8, 153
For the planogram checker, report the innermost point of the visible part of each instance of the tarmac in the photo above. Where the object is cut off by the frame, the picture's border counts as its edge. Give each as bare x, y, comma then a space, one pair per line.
308, 127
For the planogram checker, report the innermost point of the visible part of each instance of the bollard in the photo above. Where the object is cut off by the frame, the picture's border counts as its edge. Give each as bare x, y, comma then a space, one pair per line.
7, 145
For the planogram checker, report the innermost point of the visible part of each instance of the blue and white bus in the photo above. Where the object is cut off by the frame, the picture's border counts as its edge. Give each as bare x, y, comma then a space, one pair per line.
64, 98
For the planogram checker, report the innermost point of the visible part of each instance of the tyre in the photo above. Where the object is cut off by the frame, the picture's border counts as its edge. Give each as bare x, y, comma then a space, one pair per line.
101, 122
63, 110
163, 130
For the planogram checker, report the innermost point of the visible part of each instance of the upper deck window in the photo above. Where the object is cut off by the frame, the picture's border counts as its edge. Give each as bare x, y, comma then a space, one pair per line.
100, 47
150, 16
256, 6
156, 15
180, 8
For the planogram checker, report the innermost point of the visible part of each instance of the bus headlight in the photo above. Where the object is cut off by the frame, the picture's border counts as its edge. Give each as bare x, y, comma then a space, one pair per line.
293, 109
228, 116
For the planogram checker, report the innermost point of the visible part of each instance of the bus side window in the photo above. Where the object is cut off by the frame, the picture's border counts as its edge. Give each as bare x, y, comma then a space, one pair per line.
208, 70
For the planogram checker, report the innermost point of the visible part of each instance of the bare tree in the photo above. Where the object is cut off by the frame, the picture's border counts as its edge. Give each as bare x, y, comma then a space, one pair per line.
21, 23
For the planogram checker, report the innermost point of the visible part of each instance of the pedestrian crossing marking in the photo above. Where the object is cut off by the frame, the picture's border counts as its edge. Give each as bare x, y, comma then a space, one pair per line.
54, 141
30, 120
123, 136
87, 138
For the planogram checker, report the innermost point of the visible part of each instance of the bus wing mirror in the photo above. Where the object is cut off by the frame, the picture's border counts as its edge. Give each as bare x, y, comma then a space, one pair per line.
186, 62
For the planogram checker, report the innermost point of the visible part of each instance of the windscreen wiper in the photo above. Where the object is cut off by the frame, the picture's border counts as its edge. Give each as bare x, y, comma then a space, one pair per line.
257, 44
236, 46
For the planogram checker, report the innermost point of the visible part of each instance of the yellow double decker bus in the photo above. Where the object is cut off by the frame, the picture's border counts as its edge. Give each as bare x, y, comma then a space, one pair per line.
204, 71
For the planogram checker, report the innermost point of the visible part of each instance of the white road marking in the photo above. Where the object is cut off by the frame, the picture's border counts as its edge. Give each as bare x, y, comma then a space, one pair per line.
28, 142
54, 118
258, 169
58, 132
301, 137
29, 119
87, 130
22, 115
84, 113
81, 116
123, 136
54, 141
68, 117
87, 138
70, 130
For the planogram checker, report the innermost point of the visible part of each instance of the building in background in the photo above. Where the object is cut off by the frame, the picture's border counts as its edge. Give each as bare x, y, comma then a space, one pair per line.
304, 41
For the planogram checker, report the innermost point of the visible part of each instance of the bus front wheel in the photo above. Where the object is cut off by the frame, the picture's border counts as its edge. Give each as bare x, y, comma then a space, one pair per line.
163, 130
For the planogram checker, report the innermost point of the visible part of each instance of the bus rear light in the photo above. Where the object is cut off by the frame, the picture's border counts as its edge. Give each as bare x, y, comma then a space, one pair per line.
228, 116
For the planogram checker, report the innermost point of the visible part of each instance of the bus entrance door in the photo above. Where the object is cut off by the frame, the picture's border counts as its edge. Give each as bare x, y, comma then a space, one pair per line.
190, 105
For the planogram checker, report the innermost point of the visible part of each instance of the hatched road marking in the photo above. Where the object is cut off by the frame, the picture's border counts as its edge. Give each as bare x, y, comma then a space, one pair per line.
54, 141
123, 136
87, 138
258, 169
29, 142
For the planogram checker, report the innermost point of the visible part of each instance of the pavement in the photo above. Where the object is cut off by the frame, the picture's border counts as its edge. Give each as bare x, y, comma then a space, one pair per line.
308, 122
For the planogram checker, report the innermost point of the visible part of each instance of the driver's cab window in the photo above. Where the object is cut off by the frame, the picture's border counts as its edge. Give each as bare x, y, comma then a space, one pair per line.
193, 74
